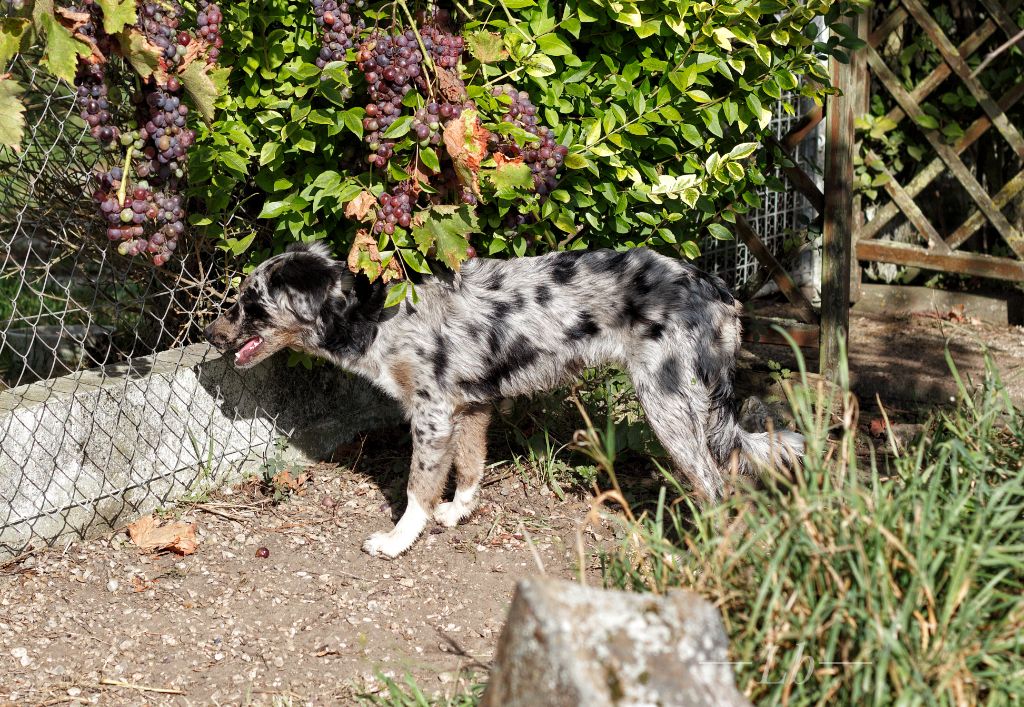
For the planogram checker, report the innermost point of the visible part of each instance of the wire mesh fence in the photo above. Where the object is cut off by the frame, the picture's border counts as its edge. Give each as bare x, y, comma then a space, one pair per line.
110, 405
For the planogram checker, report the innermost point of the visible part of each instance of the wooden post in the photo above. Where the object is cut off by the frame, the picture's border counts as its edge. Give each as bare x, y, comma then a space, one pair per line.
837, 232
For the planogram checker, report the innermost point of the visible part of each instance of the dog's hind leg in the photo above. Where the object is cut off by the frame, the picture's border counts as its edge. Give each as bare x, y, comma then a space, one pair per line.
677, 407
432, 453
470, 456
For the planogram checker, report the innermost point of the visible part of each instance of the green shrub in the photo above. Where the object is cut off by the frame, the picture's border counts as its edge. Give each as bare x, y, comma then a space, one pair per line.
661, 104
843, 585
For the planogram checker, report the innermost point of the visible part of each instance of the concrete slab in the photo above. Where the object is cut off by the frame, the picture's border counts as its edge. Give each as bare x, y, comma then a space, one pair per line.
88, 452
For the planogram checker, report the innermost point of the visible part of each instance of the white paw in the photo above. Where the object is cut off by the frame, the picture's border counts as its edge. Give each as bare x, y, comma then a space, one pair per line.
449, 514
389, 545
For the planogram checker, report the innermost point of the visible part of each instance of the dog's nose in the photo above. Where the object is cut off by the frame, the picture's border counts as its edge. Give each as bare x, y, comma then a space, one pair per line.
218, 340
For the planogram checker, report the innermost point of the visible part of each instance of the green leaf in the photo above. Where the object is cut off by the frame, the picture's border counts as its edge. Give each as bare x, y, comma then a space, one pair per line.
743, 150
447, 228
692, 135
691, 250
539, 66
926, 121
353, 119
12, 29
117, 14
200, 88
512, 177
553, 45
429, 159
398, 128
62, 49
397, 294
12, 113
719, 232
270, 152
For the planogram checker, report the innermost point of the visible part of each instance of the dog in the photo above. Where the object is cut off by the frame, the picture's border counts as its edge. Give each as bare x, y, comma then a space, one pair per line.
502, 328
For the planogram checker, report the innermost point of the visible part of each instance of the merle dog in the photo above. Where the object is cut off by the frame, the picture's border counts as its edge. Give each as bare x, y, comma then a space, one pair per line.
504, 328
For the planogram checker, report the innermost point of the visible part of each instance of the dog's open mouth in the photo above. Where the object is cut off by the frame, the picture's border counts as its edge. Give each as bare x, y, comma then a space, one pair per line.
249, 349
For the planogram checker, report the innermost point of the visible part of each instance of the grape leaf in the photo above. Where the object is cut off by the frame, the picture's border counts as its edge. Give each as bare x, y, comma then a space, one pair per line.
117, 14
447, 229
11, 31
12, 113
487, 47
141, 54
200, 87
62, 49
466, 141
511, 176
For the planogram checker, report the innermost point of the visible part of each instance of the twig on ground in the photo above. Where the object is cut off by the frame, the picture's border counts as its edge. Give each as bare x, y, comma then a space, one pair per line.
142, 688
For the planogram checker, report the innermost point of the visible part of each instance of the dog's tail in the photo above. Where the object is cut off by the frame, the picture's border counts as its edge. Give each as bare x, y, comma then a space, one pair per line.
748, 452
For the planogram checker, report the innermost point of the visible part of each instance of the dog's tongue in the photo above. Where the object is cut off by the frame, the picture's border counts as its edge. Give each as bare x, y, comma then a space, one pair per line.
248, 349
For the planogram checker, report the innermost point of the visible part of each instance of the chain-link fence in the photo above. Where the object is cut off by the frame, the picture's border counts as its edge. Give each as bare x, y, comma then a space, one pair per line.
109, 404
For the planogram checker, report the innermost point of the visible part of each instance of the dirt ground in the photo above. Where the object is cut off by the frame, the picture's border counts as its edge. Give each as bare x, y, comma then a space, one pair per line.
311, 623
100, 622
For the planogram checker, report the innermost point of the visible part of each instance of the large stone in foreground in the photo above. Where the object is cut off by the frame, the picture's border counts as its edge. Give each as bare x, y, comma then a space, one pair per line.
569, 645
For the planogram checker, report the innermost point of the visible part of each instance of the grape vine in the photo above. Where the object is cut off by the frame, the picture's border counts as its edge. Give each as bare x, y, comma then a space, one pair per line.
139, 193
423, 135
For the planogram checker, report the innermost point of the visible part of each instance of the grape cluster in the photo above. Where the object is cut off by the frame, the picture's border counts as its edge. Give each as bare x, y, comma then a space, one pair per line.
339, 28
389, 63
208, 20
445, 48
159, 22
93, 106
395, 208
426, 124
543, 155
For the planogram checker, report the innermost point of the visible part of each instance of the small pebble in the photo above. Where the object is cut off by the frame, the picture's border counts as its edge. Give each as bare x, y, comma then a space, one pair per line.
112, 585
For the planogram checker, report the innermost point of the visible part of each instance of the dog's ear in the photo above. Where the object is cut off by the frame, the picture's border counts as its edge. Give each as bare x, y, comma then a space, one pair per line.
302, 284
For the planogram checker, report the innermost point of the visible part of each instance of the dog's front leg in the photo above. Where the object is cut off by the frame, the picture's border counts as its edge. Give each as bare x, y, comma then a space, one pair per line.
431, 460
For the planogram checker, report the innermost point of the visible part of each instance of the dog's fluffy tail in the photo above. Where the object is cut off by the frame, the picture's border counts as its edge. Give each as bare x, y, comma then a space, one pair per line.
767, 449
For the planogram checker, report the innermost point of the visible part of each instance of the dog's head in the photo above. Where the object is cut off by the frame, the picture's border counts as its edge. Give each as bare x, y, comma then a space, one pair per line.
281, 305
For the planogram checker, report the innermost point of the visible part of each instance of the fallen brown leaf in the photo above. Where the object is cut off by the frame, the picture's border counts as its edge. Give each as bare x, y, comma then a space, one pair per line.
176, 536
360, 206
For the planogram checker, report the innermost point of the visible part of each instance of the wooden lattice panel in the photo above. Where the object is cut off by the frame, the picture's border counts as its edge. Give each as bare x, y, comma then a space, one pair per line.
942, 252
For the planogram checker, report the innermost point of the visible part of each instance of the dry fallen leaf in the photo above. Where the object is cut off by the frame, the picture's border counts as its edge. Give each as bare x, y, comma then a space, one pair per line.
360, 206
465, 139
176, 536
284, 479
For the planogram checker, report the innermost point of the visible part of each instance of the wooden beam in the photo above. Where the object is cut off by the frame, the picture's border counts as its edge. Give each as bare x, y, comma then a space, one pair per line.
837, 231
976, 220
910, 208
962, 263
1002, 16
800, 179
803, 128
775, 269
758, 330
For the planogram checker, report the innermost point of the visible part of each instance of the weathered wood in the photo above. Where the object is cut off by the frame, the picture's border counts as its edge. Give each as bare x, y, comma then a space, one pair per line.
894, 300
936, 167
911, 210
976, 220
800, 179
963, 263
1002, 16
799, 132
837, 236
758, 330
887, 26
775, 269
956, 166
962, 70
